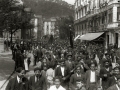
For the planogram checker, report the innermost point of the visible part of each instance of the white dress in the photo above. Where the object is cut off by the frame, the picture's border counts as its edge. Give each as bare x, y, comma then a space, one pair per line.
31, 59
26, 63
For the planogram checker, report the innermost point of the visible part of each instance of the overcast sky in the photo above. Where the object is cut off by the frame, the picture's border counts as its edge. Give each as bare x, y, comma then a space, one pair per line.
70, 1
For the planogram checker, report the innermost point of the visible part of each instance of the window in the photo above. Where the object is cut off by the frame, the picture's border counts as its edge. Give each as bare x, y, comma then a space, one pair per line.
118, 14
85, 26
110, 15
103, 19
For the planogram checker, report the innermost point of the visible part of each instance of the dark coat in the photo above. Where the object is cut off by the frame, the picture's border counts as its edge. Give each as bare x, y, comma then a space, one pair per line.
41, 85
14, 85
104, 71
58, 73
19, 60
74, 78
105, 79
39, 53
114, 87
70, 65
111, 81
87, 78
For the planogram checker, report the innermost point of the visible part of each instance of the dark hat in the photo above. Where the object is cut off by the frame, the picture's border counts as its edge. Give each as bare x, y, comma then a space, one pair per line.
92, 62
107, 54
18, 70
61, 61
79, 65
37, 68
116, 68
69, 54
106, 61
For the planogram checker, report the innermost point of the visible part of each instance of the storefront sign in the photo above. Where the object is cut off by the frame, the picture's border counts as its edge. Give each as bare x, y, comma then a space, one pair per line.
113, 25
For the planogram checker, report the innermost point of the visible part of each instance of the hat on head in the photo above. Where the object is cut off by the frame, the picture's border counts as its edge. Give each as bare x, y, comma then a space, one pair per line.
92, 62
107, 54
18, 70
106, 61
69, 54
61, 61
37, 68
116, 68
79, 65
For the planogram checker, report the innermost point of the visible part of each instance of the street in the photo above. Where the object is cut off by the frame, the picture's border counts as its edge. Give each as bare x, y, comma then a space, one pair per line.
5, 63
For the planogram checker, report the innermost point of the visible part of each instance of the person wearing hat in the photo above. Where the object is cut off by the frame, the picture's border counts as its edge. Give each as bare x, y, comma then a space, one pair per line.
69, 63
112, 80
63, 73
37, 82
20, 82
19, 59
117, 85
105, 73
91, 77
76, 76
107, 57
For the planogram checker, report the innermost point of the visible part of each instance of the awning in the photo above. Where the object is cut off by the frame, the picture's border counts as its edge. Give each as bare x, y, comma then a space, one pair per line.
91, 36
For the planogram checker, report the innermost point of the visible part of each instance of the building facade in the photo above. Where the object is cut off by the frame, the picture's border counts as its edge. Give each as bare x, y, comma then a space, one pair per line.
49, 26
98, 16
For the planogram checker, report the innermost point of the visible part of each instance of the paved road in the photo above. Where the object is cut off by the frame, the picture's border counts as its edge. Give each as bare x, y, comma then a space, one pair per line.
6, 65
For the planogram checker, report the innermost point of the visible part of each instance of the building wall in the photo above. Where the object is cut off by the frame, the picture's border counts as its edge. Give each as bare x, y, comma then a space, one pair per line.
49, 26
97, 16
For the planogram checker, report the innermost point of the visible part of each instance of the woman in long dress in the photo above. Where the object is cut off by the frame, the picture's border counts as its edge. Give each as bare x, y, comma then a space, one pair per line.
26, 62
31, 58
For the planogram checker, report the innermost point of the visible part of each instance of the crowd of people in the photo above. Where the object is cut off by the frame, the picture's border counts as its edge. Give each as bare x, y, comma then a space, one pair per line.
57, 66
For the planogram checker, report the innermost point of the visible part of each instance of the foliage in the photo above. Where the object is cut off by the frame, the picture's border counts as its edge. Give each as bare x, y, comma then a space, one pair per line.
13, 17
48, 9
64, 24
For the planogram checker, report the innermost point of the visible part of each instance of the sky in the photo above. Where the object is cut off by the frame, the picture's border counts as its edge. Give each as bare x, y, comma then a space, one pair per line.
70, 1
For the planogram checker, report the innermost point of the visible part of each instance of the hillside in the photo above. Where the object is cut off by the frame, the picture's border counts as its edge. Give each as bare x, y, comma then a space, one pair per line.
48, 9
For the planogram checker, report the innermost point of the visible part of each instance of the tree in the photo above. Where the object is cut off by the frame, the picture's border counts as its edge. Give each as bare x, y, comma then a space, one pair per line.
63, 24
14, 17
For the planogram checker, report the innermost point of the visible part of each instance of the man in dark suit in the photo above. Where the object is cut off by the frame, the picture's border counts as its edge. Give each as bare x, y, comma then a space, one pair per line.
19, 60
37, 82
112, 80
39, 54
19, 82
115, 86
69, 63
35, 55
92, 77
78, 75
63, 73
105, 73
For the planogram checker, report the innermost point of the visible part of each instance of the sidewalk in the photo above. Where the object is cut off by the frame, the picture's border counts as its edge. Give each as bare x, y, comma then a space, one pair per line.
2, 50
